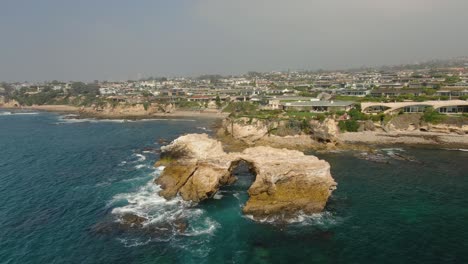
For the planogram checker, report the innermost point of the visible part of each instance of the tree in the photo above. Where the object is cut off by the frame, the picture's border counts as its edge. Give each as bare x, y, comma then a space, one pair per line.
218, 101
80, 88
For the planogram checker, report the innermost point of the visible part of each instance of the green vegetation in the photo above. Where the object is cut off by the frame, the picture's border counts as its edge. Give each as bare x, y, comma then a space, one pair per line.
218, 101
188, 105
432, 116
452, 79
80, 94
47, 96
146, 105
348, 125
245, 108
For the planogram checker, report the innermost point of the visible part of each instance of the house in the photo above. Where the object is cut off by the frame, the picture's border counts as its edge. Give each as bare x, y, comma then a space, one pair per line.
396, 92
355, 92
319, 106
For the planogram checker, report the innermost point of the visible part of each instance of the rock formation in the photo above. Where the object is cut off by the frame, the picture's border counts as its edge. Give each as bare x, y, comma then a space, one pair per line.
278, 133
286, 182
109, 110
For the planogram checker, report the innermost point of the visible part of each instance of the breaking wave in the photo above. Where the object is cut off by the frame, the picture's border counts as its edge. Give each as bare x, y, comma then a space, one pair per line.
323, 219
161, 214
73, 119
18, 113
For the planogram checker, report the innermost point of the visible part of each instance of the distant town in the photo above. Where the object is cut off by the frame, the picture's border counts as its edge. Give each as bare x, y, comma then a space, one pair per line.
318, 91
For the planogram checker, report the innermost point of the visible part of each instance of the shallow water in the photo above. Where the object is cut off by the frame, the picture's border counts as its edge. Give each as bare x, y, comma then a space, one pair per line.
64, 184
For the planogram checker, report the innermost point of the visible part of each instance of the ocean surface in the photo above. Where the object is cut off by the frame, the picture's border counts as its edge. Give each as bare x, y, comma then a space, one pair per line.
65, 185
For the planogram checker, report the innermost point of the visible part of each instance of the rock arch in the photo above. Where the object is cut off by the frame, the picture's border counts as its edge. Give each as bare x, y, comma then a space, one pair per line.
286, 181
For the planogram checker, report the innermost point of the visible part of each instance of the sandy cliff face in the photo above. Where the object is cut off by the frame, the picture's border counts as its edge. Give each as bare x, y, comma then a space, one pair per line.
287, 181
9, 103
246, 130
129, 110
255, 132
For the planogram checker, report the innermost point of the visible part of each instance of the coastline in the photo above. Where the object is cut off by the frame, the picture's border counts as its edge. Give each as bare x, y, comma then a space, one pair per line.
414, 138
347, 139
86, 113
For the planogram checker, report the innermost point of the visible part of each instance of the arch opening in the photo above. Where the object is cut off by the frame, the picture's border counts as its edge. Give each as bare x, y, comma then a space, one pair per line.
235, 192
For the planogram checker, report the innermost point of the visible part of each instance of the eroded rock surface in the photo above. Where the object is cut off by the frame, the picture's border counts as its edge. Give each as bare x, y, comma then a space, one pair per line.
286, 182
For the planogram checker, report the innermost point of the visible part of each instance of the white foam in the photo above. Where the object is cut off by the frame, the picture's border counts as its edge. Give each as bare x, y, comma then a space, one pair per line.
141, 166
218, 196
25, 113
140, 157
133, 242
64, 120
323, 219
18, 113
146, 202
204, 128
208, 227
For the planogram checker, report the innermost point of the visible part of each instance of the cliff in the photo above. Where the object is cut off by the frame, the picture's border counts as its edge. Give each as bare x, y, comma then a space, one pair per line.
126, 110
280, 133
286, 181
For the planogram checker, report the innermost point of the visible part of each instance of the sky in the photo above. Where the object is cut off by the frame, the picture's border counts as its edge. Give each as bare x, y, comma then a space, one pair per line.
120, 39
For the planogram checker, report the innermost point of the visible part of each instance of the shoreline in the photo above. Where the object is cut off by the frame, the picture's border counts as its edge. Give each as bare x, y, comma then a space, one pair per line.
349, 139
83, 113
406, 138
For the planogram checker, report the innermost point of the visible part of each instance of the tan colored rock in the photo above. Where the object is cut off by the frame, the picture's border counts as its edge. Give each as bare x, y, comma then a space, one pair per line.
245, 129
327, 131
287, 181
9, 104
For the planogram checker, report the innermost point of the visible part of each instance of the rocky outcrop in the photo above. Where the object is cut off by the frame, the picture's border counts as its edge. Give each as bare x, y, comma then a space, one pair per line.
326, 131
245, 129
445, 128
280, 133
126, 110
8, 103
286, 181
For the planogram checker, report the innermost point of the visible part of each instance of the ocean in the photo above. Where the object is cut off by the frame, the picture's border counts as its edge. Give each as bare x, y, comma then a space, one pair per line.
64, 184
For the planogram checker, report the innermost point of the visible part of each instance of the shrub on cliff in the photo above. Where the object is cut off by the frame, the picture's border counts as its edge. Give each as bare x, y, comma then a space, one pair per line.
432, 116
349, 126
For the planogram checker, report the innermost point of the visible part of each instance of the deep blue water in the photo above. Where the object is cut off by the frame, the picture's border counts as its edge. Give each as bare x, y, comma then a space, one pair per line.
63, 186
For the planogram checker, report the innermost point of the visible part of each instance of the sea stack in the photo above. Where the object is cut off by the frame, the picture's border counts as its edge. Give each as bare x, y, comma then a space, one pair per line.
286, 181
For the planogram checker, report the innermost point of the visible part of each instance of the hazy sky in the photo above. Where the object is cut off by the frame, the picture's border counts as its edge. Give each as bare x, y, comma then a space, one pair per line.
121, 39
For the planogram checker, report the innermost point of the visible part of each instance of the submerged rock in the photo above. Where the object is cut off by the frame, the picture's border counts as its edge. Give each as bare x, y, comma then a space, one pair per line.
286, 182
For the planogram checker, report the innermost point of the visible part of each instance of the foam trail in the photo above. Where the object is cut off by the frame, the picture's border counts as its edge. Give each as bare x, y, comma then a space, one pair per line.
140, 157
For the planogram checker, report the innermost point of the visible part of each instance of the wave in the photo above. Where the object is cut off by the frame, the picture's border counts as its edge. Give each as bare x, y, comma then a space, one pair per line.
63, 120
133, 242
208, 227
18, 113
204, 129
140, 157
73, 119
145, 202
456, 149
392, 151
141, 166
324, 219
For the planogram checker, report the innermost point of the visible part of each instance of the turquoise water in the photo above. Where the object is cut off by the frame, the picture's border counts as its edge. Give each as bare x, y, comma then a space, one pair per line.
65, 184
